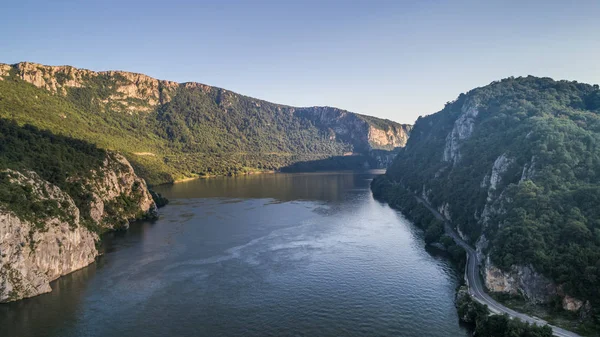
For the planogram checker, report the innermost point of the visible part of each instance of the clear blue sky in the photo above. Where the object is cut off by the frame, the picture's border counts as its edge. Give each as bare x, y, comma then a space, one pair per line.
391, 59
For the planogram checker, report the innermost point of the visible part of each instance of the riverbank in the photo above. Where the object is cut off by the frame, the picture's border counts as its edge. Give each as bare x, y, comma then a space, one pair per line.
398, 197
208, 176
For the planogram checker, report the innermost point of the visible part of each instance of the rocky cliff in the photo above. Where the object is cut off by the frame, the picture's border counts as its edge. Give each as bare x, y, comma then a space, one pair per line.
512, 164
39, 249
365, 133
172, 130
130, 92
49, 229
118, 195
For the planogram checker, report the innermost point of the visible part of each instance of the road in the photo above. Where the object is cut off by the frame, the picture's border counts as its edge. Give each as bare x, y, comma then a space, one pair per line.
475, 283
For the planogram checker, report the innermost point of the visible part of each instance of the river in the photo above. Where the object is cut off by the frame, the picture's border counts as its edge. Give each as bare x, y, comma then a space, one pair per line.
261, 255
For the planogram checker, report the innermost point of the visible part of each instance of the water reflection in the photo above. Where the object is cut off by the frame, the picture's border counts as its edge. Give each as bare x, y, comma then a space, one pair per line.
324, 186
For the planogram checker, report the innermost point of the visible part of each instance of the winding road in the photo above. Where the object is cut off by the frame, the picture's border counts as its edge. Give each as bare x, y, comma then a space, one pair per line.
475, 284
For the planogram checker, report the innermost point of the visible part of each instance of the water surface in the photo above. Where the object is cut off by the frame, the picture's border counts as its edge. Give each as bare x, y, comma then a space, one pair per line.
264, 255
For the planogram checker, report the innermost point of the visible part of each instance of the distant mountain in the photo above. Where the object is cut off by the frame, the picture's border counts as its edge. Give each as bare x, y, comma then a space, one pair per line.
172, 130
516, 166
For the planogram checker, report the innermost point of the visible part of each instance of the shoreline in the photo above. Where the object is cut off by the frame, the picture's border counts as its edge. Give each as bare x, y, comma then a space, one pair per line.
472, 279
182, 180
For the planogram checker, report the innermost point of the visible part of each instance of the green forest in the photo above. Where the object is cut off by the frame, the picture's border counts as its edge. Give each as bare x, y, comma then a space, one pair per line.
65, 162
54, 159
547, 198
200, 131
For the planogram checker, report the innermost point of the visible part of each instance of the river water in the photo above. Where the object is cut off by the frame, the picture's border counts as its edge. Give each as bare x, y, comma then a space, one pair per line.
262, 255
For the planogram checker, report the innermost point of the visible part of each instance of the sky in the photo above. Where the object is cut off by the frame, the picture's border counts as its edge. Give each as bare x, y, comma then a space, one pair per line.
391, 59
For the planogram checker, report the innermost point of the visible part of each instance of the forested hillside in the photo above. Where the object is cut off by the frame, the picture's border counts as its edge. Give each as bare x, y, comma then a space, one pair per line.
516, 166
171, 131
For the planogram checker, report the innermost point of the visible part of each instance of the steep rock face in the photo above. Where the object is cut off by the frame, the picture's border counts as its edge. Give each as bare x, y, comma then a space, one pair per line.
357, 130
33, 254
38, 248
462, 130
117, 180
492, 182
520, 280
129, 87
4, 70
394, 136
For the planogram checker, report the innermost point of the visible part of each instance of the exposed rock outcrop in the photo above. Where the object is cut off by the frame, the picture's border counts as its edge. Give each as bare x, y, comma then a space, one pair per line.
4, 70
571, 304
445, 211
357, 130
38, 248
134, 92
520, 280
381, 158
117, 180
33, 254
463, 129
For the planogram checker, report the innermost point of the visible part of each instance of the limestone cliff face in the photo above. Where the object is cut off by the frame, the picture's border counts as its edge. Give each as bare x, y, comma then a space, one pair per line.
117, 180
520, 280
462, 130
38, 248
393, 136
357, 129
33, 254
134, 92
527, 282
4, 70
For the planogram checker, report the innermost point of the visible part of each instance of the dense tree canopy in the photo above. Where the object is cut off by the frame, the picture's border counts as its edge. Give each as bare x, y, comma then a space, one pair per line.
54, 158
544, 209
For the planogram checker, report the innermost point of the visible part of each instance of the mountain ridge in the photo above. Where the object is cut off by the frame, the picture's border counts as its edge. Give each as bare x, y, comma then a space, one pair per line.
183, 119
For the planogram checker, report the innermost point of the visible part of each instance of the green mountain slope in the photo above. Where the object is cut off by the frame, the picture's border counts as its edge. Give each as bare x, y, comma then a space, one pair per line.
516, 166
171, 131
